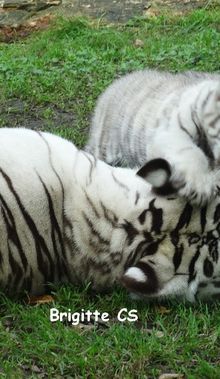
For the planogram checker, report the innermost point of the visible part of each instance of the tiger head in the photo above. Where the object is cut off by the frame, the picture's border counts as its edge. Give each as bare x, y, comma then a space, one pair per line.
178, 253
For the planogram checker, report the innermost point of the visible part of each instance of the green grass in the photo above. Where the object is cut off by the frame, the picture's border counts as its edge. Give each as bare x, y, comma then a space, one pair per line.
50, 82
58, 74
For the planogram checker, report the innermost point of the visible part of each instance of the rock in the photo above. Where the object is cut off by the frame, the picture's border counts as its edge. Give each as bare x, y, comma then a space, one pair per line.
15, 3
111, 10
13, 19
23, 4
15, 12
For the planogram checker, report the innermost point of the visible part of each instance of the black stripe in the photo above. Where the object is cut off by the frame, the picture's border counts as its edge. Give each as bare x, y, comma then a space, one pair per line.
205, 101
177, 258
142, 217
203, 213
17, 272
102, 267
143, 249
102, 146
202, 141
40, 244
217, 214
1, 259
213, 122
92, 164
182, 127
129, 140
157, 217
192, 274
213, 250
203, 285
152, 248
122, 185
216, 284
131, 231
27, 282
183, 221
55, 231
205, 147
58, 178
195, 120
116, 257
136, 254
208, 268
137, 197
185, 217
109, 215
61, 264
94, 231
99, 248
12, 231
92, 206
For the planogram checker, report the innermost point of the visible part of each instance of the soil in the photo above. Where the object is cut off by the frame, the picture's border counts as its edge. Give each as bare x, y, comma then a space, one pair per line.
122, 10
20, 114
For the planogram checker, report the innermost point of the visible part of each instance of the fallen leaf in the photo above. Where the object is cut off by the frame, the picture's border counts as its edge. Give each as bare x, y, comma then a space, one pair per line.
162, 310
138, 43
157, 333
171, 376
36, 369
35, 300
86, 327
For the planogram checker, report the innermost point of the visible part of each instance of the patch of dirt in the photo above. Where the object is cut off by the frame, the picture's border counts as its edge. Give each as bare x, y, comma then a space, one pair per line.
10, 34
111, 11
123, 10
17, 113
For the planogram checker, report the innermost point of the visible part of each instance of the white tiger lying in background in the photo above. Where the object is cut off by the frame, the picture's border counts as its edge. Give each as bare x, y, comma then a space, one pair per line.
67, 217
150, 114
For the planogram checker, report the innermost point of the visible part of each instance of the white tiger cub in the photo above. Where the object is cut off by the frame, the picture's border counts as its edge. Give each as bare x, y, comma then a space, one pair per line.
150, 114
68, 217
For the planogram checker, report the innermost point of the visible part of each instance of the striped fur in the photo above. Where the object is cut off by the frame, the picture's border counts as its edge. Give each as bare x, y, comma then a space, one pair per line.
67, 217
150, 114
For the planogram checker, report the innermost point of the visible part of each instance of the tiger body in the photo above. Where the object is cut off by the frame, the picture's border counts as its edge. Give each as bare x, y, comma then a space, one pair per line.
47, 219
68, 217
150, 114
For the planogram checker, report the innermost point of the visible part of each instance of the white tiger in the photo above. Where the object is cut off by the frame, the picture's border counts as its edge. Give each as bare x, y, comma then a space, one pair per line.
151, 114
68, 217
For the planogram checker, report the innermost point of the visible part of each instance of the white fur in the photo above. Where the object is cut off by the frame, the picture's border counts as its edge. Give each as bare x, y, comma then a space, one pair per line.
138, 118
61, 208
136, 274
157, 178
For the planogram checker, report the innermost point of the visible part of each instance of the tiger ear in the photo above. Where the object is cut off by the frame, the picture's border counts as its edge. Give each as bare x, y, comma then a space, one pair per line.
158, 172
141, 279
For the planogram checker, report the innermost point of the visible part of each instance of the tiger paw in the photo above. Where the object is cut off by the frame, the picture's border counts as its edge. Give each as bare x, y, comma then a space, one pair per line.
197, 187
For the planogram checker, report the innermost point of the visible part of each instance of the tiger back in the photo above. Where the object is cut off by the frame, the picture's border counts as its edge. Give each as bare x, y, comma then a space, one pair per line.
150, 114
